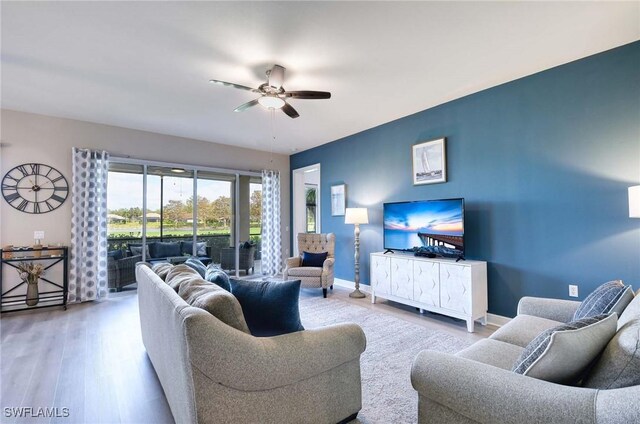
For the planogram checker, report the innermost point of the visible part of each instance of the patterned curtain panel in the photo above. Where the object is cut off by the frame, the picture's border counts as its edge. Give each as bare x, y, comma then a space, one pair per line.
271, 239
88, 266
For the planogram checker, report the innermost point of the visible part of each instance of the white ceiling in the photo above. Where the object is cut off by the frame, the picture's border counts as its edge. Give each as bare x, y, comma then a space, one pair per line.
145, 65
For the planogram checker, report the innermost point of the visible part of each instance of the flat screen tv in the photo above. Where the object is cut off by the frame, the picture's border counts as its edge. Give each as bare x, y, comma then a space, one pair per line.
433, 226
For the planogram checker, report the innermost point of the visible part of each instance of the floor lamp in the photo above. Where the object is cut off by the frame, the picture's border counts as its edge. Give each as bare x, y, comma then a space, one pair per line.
356, 216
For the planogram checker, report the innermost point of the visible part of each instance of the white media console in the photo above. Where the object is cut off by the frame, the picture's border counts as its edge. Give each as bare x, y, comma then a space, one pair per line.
444, 286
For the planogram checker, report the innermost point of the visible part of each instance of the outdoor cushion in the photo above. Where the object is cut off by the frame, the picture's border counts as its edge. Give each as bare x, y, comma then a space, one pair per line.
313, 259
197, 265
186, 248
115, 254
164, 249
217, 276
619, 365
561, 354
213, 299
610, 297
270, 307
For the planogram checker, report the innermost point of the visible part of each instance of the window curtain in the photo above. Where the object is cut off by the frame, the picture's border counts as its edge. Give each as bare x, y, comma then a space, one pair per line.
88, 259
271, 239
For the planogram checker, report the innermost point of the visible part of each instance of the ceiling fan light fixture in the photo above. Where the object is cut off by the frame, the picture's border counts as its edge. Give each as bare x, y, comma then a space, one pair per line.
271, 102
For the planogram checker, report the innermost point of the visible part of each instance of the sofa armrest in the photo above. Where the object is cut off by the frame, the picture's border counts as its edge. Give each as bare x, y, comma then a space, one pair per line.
488, 394
292, 262
249, 363
554, 309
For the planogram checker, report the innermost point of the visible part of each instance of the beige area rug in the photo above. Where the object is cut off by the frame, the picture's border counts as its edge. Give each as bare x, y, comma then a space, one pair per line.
392, 344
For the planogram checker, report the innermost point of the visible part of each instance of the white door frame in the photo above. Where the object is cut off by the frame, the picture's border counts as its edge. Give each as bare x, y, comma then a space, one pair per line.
299, 204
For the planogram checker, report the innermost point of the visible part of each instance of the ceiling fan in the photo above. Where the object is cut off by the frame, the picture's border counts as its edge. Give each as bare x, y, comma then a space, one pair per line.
272, 93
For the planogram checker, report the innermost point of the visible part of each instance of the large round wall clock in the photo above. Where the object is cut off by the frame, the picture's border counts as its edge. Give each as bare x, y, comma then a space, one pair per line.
34, 188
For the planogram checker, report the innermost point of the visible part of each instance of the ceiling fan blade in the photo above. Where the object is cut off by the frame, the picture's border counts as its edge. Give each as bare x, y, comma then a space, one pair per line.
308, 94
230, 84
276, 76
246, 106
289, 110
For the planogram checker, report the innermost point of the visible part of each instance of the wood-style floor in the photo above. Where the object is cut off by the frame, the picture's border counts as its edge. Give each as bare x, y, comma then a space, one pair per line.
91, 360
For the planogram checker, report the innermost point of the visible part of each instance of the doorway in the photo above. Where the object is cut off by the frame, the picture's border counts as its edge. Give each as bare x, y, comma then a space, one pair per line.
306, 202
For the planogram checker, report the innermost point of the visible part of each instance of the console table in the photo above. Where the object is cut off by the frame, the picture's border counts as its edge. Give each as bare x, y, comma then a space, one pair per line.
13, 295
443, 286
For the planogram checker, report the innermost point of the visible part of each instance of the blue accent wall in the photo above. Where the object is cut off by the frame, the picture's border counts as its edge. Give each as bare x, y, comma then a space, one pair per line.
543, 163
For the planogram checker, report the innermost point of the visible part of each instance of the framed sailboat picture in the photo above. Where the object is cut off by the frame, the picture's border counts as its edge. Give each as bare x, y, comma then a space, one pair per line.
429, 162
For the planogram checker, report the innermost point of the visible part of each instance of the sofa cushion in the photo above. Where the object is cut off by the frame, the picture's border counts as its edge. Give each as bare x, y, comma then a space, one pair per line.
214, 274
136, 249
165, 249
305, 272
610, 297
186, 248
162, 269
631, 312
561, 354
619, 365
213, 299
522, 329
492, 352
197, 265
270, 307
313, 259
179, 275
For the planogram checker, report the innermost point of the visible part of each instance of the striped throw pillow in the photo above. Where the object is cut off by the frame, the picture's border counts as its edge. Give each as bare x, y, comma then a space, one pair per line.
610, 297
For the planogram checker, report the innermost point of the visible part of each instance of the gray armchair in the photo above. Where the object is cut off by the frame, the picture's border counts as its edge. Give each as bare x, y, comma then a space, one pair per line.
313, 276
122, 272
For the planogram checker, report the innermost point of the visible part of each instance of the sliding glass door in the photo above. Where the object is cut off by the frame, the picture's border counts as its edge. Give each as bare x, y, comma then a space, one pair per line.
177, 212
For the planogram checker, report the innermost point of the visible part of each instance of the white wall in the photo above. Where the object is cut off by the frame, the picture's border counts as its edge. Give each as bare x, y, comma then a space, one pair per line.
26, 137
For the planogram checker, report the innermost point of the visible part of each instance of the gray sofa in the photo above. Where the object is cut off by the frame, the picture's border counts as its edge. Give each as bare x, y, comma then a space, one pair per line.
477, 385
214, 373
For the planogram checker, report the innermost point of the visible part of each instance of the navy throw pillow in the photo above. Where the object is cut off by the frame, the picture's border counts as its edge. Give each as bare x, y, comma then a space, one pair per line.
197, 265
116, 254
313, 259
217, 276
269, 307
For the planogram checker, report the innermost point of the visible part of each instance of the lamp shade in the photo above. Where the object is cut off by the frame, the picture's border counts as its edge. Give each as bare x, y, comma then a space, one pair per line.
634, 201
356, 216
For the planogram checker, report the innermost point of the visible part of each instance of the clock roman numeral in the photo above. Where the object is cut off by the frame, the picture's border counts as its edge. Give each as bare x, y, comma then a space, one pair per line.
11, 177
55, 180
23, 205
57, 198
36, 208
49, 205
11, 197
9, 186
48, 172
35, 168
23, 170
61, 189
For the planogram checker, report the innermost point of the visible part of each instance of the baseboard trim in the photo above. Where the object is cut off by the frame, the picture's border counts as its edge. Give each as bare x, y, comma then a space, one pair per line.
492, 319
497, 320
351, 285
